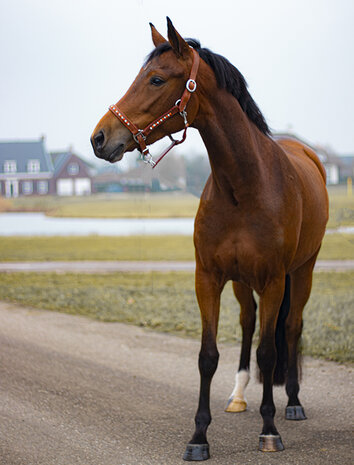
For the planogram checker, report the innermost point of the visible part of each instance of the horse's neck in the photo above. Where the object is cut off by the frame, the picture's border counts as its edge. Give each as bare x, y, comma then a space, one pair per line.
232, 142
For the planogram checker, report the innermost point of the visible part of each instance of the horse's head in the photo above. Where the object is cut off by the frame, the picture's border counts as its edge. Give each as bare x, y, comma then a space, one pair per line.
153, 105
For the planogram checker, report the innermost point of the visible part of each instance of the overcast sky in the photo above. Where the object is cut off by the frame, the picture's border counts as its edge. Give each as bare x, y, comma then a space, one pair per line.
64, 61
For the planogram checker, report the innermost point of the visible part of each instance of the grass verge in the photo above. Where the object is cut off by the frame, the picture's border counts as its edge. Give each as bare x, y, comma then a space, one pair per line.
135, 205
96, 248
166, 302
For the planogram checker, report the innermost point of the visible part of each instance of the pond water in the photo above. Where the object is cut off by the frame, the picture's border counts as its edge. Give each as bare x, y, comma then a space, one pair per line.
38, 224
341, 230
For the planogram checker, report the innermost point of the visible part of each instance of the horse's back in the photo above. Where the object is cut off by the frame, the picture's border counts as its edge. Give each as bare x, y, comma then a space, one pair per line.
294, 148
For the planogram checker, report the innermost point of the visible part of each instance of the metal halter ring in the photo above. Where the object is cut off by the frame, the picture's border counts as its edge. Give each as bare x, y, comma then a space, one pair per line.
188, 83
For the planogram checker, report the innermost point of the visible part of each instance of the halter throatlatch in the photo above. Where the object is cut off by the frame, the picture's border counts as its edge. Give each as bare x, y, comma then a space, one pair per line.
140, 135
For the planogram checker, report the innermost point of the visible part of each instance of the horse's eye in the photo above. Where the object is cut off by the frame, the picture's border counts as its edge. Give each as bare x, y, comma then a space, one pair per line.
156, 81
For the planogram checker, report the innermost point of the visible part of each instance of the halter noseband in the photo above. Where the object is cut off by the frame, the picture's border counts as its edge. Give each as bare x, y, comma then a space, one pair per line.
140, 135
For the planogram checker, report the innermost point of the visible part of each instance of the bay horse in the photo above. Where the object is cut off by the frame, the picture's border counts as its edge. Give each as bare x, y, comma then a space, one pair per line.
260, 222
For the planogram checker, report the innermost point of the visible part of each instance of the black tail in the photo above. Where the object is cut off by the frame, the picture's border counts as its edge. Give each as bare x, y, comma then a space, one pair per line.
280, 337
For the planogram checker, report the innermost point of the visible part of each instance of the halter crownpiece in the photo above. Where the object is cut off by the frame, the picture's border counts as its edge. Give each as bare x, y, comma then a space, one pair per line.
140, 135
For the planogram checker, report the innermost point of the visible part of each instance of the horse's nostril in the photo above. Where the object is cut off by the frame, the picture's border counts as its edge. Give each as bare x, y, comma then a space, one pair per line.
98, 140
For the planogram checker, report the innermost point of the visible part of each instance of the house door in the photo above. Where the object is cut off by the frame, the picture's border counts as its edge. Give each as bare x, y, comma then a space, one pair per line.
65, 186
11, 188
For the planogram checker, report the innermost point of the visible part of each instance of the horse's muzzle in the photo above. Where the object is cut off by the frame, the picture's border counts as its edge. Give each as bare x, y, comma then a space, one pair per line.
105, 149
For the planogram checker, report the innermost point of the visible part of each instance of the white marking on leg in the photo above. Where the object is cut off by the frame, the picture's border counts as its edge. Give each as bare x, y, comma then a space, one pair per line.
237, 401
241, 380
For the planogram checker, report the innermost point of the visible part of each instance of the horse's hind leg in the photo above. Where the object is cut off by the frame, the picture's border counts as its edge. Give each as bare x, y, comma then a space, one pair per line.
237, 401
301, 283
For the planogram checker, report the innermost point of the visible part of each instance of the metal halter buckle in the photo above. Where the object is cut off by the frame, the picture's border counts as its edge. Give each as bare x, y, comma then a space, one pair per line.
183, 113
139, 133
184, 116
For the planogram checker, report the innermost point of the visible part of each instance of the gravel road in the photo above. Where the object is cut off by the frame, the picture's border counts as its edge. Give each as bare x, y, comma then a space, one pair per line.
75, 391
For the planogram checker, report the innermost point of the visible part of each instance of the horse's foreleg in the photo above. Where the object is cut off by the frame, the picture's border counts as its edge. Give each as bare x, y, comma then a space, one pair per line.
270, 302
301, 283
237, 401
208, 291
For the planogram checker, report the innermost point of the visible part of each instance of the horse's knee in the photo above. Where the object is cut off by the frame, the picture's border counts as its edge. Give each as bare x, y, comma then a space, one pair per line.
208, 362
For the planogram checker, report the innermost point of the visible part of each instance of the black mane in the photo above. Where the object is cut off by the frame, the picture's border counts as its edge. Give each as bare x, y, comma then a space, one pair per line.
228, 77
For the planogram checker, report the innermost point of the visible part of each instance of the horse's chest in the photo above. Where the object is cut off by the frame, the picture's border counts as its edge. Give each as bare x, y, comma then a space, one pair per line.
227, 246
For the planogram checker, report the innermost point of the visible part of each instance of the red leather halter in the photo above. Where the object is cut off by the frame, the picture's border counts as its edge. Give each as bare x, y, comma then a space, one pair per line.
140, 135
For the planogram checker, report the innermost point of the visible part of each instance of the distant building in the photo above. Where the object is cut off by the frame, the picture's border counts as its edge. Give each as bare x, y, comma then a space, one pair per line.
26, 168
347, 167
71, 175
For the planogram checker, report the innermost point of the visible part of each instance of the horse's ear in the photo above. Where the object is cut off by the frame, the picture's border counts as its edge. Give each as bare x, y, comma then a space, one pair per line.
179, 45
157, 38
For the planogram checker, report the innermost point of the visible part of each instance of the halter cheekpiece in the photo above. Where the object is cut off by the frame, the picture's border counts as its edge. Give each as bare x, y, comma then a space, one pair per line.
140, 135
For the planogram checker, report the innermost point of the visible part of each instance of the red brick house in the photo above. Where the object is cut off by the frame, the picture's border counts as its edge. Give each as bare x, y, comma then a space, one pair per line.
71, 175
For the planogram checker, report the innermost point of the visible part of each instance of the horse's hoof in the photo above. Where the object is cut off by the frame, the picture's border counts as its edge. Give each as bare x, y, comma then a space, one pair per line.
270, 443
295, 412
236, 405
196, 452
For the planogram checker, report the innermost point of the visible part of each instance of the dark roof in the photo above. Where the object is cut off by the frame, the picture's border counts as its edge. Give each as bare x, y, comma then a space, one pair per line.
60, 158
23, 151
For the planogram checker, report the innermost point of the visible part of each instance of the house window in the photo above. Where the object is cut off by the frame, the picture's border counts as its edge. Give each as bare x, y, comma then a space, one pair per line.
10, 166
27, 187
73, 169
42, 187
33, 166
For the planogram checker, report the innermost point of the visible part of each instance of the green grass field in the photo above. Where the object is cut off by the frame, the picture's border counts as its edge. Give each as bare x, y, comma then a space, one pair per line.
335, 246
96, 248
166, 302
